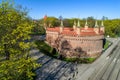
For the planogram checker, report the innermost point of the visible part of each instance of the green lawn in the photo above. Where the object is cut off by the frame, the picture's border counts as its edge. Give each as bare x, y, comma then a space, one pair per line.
46, 49
80, 60
107, 44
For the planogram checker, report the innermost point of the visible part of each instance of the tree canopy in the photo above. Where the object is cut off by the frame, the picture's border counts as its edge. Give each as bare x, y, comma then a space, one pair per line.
15, 27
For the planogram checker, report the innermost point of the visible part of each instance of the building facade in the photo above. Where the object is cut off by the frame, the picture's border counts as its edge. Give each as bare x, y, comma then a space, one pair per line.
77, 41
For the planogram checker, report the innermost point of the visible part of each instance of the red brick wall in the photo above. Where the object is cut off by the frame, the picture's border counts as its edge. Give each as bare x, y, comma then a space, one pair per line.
90, 46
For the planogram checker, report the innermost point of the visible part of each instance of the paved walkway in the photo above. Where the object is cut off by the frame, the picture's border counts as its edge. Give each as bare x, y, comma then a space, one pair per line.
53, 69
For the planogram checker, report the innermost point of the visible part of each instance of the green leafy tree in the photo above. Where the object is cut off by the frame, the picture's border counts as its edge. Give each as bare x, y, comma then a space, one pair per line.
112, 27
50, 21
15, 28
91, 21
38, 28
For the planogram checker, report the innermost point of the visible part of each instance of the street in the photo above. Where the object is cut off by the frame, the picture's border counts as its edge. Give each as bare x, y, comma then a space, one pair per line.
110, 70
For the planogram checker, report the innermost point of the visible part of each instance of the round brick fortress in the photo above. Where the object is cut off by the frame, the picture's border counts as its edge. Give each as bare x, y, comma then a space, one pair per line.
77, 41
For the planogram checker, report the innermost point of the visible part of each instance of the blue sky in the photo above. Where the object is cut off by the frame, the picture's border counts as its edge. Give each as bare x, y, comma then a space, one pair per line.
72, 8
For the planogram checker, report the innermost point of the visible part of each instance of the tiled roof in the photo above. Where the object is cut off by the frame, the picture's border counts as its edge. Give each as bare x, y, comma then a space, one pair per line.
71, 29
71, 32
88, 34
87, 30
56, 29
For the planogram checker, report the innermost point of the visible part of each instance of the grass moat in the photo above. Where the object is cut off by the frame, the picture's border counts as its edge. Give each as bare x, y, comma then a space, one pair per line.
48, 50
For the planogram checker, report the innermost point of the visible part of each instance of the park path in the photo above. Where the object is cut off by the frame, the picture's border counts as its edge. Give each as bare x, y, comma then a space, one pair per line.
54, 69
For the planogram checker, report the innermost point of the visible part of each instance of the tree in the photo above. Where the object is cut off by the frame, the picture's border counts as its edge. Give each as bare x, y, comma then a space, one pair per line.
51, 21
91, 21
38, 28
15, 28
112, 27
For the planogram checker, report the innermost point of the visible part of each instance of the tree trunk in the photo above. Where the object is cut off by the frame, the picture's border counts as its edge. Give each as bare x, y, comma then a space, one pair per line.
7, 54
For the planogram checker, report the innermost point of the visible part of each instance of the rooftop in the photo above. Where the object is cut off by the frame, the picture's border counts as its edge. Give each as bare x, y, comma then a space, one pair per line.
72, 32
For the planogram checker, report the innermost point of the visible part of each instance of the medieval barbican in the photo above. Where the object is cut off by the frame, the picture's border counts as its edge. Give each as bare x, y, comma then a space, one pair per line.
76, 42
